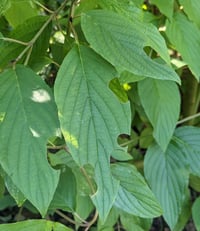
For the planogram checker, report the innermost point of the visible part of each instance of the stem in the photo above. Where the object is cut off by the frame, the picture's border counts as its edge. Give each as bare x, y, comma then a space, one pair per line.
44, 7
33, 40
81, 219
188, 118
92, 221
69, 219
14, 41
71, 16
88, 180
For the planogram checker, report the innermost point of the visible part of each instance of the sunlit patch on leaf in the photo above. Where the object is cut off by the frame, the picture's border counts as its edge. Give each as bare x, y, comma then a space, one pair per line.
40, 96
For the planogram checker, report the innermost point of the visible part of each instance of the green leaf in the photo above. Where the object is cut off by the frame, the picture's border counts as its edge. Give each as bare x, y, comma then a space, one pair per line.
192, 9
25, 32
110, 221
118, 89
19, 11
128, 77
179, 32
34, 225
121, 155
64, 197
190, 137
7, 201
166, 7
124, 42
28, 119
195, 182
167, 173
133, 223
134, 195
4, 5
91, 118
196, 213
161, 102
185, 213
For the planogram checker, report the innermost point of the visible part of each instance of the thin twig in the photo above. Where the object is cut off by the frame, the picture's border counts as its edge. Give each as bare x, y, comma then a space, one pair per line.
81, 219
14, 41
33, 40
92, 221
88, 180
69, 219
44, 7
188, 118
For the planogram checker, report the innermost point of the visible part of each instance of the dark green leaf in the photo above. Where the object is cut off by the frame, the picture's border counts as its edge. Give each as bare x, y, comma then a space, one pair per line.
25, 32
65, 195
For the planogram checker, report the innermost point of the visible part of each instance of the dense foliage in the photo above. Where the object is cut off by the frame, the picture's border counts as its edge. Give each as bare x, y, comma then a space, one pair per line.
99, 119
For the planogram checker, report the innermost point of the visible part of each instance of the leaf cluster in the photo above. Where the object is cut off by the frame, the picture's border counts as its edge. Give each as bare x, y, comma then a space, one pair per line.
99, 113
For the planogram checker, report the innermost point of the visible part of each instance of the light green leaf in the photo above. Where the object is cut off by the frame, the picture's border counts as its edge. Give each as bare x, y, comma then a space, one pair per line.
65, 195
128, 77
34, 225
19, 11
91, 118
134, 195
185, 36
25, 32
167, 174
161, 102
4, 5
192, 9
196, 213
166, 7
190, 137
28, 119
124, 42
118, 89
